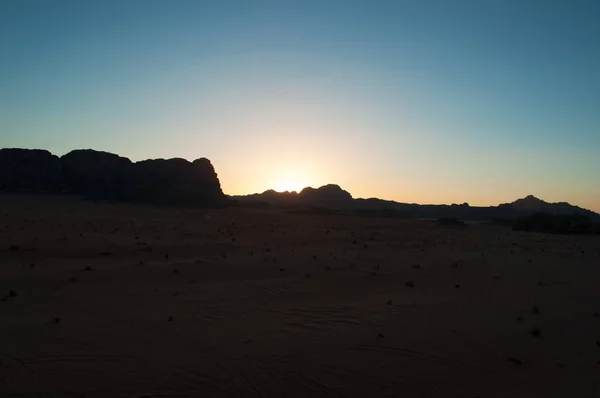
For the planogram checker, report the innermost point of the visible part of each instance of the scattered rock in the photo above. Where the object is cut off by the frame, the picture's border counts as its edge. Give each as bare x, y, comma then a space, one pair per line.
536, 332
514, 360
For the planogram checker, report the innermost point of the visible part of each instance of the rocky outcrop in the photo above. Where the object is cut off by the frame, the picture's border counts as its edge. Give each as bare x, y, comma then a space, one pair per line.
97, 175
328, 196
31, 171
330, 193
530, 205
106, 176
335, 198
175, 181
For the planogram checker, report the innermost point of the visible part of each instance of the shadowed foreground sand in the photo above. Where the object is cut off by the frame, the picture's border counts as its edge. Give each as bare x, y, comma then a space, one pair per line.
123, 301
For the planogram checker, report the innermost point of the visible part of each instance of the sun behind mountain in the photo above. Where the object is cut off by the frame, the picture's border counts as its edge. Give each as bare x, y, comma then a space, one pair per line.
289, 185
290, 180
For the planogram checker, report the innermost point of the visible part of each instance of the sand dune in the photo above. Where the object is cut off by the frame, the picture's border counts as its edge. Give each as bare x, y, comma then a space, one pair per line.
127, 301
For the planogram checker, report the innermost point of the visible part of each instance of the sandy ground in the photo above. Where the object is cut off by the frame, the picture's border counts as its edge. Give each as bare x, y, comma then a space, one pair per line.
124, 301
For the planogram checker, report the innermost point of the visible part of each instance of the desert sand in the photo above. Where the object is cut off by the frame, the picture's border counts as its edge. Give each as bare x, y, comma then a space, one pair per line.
103, 300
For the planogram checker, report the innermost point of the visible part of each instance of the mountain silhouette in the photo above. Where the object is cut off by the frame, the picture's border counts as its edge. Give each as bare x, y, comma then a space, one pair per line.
530, 202
31, 171
327, 194
337, 199
105, 176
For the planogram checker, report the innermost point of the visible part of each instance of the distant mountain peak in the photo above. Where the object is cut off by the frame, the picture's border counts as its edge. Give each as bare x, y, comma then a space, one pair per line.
534, 204
529, 200
329, 192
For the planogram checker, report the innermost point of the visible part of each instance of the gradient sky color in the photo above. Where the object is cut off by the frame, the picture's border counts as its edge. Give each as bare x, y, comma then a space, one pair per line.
417, 101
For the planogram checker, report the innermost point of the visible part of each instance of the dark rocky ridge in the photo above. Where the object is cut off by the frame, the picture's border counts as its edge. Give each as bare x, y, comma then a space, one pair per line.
97, 175
331, 196
31, 171
334, 198
106, 176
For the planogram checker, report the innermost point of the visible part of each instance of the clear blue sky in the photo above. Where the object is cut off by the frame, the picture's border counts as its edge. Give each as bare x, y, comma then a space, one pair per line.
421, 101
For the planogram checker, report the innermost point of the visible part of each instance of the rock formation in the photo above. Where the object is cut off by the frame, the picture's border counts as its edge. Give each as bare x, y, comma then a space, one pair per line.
174, 181
106, 176
31, 171
97, 175
335, 198
330, 193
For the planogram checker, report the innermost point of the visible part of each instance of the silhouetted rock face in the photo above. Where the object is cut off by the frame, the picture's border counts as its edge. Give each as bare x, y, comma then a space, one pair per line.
331, 196
335, 198
175, 181
97, 175
106, 176
31, 171
530, 204
101, 175
330, 193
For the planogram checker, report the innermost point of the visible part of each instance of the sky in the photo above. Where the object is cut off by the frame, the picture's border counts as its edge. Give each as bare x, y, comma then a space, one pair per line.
416, 101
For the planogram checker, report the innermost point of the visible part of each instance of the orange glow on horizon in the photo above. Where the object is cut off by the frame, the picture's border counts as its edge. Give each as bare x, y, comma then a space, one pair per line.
289, 180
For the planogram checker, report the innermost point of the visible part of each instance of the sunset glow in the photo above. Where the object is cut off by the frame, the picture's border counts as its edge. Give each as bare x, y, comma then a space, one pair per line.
291, 181
289, 186
413, 101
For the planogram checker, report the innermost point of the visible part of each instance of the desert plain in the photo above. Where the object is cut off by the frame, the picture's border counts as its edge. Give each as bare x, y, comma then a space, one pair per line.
107, 300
